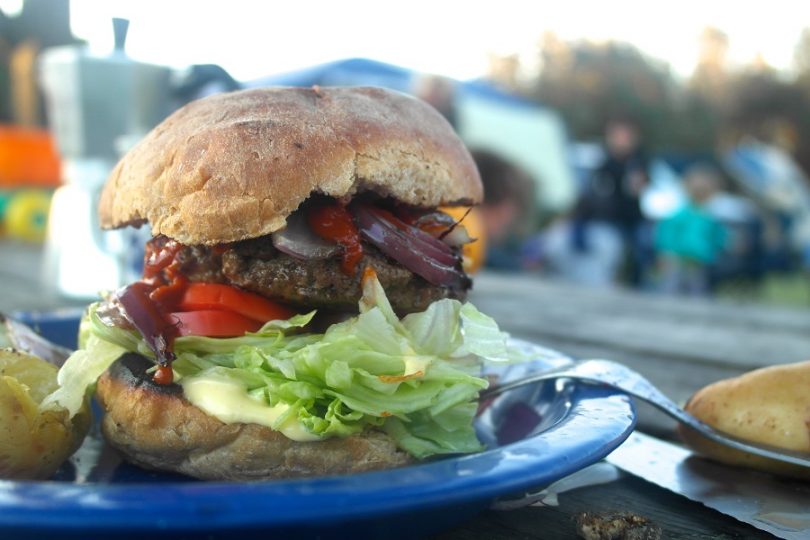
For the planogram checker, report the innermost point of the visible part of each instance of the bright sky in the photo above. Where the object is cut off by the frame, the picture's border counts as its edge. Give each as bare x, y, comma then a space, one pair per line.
254, 38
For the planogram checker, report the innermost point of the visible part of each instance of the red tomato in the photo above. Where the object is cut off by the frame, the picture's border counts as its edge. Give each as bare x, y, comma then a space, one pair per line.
206, 296
213, 323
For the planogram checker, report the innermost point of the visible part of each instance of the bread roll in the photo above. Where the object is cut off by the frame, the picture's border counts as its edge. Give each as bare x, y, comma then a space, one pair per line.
769, 406
233, 166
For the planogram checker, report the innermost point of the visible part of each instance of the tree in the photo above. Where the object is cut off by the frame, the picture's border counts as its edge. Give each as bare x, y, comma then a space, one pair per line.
591, 82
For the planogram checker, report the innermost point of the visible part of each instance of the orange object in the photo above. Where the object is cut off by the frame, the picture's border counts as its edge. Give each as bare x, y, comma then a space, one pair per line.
475, 252
163, 375
333, 222
213, 323
225, 297
28, 157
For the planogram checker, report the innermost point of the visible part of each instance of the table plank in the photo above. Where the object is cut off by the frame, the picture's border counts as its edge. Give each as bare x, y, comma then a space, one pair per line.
680, 344
695, 331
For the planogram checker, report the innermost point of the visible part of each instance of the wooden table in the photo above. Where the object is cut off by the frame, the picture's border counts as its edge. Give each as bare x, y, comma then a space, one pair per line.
679, 344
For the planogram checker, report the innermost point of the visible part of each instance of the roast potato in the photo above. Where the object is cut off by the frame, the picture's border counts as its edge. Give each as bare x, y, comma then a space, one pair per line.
770, 406
34, 442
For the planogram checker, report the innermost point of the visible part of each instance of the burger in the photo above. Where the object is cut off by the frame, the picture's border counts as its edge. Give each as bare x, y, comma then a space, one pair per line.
301, 310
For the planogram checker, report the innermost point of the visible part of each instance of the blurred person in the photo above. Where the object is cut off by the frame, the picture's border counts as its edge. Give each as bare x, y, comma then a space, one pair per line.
609, 208
596, 266
440, 92
508, 209
690, 241
742, 259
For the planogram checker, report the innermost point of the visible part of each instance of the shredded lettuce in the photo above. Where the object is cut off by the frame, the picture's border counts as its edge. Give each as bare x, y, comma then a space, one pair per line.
80, 371
415, 378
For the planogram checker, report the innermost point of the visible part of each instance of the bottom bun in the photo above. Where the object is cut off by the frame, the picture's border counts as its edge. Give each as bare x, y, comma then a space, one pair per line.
155, 427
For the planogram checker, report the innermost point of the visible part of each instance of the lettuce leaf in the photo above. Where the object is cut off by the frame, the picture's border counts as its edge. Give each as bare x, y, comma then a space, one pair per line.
80, 372
415, 378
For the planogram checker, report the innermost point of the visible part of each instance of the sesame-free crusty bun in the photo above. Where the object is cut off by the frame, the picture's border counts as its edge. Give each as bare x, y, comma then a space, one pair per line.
155, 427
768, 406
233, 166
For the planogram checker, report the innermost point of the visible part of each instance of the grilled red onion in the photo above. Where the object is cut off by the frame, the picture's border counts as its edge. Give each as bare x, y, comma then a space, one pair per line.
413, 248
458, 236
147, 318
297, 240
418, 239
445, 228
438, 221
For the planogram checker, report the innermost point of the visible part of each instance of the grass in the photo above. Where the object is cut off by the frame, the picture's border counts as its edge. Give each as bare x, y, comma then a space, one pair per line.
776, 289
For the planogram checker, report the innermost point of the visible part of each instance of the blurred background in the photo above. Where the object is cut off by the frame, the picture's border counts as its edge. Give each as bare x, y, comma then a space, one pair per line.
658, 147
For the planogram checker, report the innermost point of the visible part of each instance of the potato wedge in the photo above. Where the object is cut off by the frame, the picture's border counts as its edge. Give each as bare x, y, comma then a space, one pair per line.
770, 406
33, 442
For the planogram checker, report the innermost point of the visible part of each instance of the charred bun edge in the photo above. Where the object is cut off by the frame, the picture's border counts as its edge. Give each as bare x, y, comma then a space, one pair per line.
131, 370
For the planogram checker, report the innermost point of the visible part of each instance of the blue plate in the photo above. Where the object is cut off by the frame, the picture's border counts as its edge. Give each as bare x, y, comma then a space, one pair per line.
534, 436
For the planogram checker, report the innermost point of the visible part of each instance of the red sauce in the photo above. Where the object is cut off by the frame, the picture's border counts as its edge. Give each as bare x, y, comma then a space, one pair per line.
162, 270
219, 249
170, 294
160, 253
150, 321
164, 284
333, 222
163, 375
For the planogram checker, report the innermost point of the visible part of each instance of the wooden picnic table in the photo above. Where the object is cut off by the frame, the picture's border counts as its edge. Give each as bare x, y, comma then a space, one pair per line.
679, 344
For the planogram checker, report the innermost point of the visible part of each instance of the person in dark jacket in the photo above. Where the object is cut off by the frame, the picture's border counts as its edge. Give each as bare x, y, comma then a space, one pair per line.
611, 196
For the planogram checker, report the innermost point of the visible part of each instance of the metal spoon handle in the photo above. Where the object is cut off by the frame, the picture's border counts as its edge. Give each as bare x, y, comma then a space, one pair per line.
605, 372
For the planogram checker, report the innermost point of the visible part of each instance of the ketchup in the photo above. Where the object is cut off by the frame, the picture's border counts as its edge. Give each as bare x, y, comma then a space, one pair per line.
160, 253
163, 375
333, 222
156, 329
145, 302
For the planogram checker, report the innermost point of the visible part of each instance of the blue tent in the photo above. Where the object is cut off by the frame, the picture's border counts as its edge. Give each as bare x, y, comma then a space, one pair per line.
362, 71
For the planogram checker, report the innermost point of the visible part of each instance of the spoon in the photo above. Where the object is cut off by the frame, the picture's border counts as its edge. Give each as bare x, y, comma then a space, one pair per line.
607, 373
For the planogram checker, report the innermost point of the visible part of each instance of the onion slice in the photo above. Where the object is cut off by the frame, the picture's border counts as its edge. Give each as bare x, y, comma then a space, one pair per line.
458, 236
420, 240
445, 228
146, 317
413, 248
297, 240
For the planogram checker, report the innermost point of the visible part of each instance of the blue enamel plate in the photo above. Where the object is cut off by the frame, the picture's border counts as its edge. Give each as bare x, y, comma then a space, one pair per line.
534, 436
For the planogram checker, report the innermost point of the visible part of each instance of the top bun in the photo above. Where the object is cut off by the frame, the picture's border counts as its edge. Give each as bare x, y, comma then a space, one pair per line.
233, 166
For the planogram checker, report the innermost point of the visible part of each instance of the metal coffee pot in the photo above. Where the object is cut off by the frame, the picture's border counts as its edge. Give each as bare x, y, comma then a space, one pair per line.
98, 106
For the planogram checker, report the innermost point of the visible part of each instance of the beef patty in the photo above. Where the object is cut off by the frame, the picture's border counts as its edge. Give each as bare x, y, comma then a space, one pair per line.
256, 265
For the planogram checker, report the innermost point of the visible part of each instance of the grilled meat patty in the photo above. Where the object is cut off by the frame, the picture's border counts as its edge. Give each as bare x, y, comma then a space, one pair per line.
257, 266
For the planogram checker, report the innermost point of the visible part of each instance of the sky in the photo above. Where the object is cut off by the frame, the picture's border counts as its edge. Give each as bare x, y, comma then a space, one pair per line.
255, 38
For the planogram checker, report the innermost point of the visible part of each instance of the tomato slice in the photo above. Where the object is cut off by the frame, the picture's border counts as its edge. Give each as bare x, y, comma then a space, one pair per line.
206, 296
213, 323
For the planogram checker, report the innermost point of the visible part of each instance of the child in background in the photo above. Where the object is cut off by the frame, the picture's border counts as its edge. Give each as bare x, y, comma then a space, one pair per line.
507, 210
689, 242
